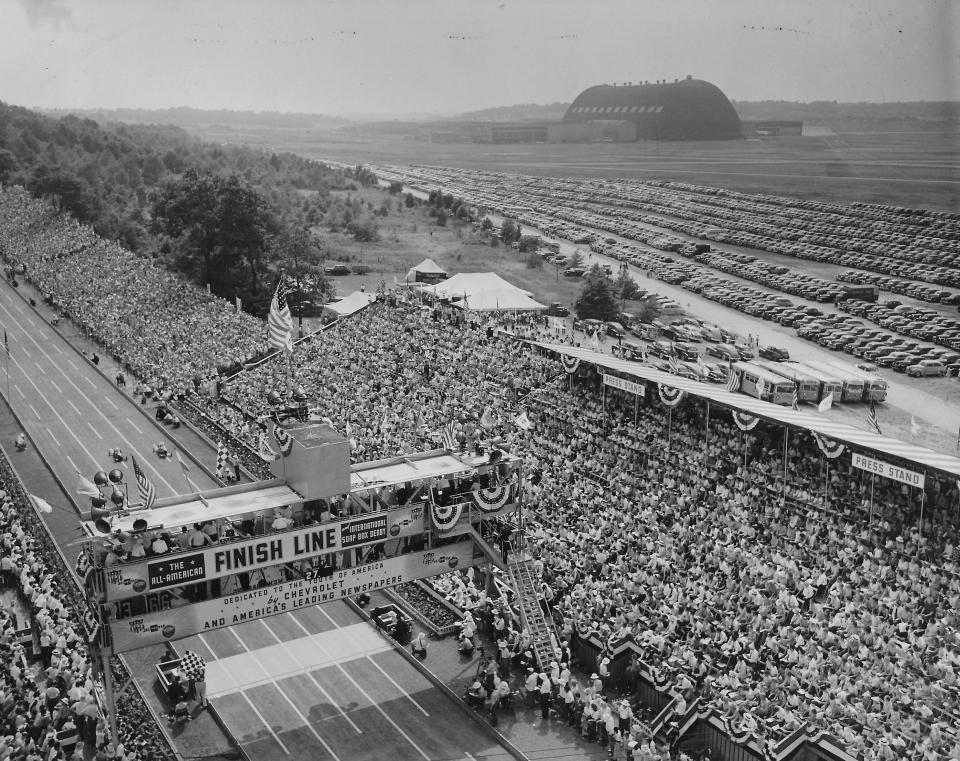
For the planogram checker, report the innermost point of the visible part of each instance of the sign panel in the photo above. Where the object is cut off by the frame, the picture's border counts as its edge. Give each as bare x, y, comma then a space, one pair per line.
885, 469
219, 560
185, 621
624, 385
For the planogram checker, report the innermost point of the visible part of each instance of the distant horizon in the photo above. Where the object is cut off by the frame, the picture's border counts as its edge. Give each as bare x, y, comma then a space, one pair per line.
416, 115
441, 57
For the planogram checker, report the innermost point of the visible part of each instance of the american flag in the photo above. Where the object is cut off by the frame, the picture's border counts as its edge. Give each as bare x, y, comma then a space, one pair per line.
674, 365
145, 490
449, 437
872, 417
733, 381
279, 322
796, 396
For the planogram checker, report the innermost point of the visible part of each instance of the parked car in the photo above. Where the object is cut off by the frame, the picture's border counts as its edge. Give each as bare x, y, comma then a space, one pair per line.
615, 329
556, 309
774, 353
927, 367
688, 353
588, 326
724, 351
337, 269
574, 272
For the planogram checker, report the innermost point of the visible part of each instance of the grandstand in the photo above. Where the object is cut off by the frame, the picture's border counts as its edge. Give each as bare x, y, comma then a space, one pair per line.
688, 109
730, 564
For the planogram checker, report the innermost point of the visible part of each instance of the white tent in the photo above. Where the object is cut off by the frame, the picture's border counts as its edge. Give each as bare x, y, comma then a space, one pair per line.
483, 292
348, 305
428, 271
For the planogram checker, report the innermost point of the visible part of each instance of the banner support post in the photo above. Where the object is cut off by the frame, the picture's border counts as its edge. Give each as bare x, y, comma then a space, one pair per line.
107, 670
873, 479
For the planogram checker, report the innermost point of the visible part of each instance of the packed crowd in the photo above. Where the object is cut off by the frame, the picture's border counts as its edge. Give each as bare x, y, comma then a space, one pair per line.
49, 707
166, 331
777, 603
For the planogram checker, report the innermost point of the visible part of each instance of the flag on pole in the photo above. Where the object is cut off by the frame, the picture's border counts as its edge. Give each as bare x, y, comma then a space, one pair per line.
795, 402
595, 340
826, 403
733, 381
42, 505
183, 463
674, 365
221, 459
145, 490
872, 417
489, 419
264, 450
284, 439
279, 322
86, 487
449, 437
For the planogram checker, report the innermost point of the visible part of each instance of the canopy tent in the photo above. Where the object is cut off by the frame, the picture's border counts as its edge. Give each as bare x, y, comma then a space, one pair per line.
802, 419
428, 271
483, 292
348, 305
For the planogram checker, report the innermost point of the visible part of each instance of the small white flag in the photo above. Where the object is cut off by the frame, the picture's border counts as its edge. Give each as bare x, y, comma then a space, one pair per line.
915, 428
522, 421
826, 403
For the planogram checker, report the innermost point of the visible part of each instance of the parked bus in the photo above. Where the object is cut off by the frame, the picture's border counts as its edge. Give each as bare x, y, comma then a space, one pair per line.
829, 383
808, 387
853, 386
875, 387
776, 388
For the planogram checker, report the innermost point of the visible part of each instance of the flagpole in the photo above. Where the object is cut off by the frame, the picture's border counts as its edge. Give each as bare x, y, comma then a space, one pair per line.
786, 436
669, 427
923, 494
873, 478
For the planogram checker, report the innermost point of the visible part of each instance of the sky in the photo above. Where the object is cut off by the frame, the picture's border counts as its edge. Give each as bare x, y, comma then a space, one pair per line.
394, 57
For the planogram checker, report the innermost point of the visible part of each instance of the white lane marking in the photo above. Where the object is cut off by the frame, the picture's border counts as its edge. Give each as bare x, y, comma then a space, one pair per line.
320, 608
242, 643
70, 402
94, 430
54, 384
312, 678
39, 367
19, 390
135, 426
383, 713
50, 434
70, 362
109, 401
54, 410
269, 728
207, 645
18, 306
88, 379
34, 411
56, 348
402, 691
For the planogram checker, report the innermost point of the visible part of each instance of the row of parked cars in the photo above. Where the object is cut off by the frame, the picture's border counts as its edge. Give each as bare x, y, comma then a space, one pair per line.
884, 239
902, 286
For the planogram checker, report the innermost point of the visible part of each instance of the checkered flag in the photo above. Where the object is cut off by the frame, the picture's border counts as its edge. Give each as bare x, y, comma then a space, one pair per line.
193, 665
222, 455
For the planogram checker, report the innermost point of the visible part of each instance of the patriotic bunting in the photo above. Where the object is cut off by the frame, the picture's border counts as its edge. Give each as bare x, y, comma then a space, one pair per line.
284, 439
572, 364
490, 500
670, 396
832, 449
744, 421
445, 517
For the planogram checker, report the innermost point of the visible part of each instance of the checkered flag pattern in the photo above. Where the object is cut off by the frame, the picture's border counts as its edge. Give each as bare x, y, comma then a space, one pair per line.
221, 459
193, 665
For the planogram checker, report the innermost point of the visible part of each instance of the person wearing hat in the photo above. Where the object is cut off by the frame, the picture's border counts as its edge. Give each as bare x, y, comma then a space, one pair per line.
418, 645
476, 696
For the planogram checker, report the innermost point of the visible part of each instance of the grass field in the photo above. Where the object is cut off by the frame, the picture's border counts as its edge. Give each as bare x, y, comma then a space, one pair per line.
917, 167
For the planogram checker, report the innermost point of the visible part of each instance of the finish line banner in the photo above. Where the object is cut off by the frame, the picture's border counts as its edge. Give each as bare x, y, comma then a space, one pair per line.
885, 469
220, 560
624, 385
177, 623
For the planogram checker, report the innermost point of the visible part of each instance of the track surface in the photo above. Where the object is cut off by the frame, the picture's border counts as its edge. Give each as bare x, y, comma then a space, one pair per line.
316, 684
74, 414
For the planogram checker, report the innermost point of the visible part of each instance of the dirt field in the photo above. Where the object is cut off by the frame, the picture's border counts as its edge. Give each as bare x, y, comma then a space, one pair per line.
905, 168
